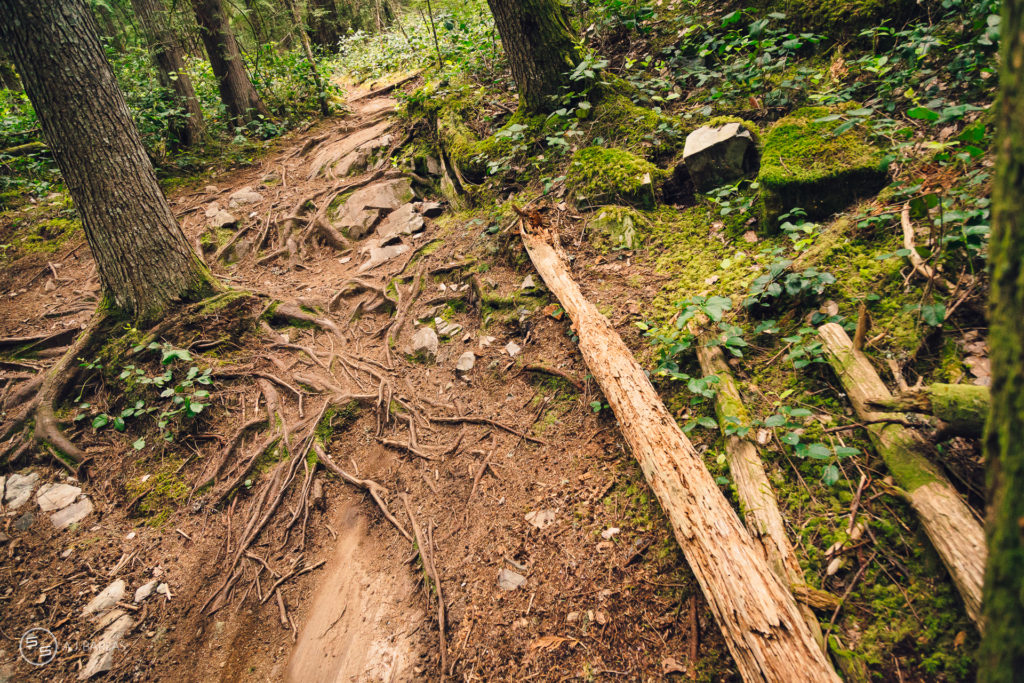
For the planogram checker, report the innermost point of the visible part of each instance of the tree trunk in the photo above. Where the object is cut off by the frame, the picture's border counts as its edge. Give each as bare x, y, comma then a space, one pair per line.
236, 91
539, 47
144, 260
949, 523
324, 24
1001, 657
321, 96
963, 407
760, 508
756, 613
170, 63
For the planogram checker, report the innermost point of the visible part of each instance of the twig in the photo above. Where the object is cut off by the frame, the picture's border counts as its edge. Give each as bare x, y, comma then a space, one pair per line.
423, 546
487, 421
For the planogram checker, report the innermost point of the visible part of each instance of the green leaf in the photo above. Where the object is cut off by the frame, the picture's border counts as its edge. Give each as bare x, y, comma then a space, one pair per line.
818, 451
933, 314
708, 422
140, 444
119, 424
100, 421
829, 475
923, 113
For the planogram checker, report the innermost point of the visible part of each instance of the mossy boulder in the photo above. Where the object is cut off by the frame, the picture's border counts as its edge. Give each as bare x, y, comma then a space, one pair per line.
620, 227
805, 164
845, 18
606, 175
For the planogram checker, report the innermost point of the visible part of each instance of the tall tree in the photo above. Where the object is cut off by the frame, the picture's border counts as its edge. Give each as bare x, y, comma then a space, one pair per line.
236, 91
324, 24
1002, 648
321, 96
170, 62
539, 46
145, 262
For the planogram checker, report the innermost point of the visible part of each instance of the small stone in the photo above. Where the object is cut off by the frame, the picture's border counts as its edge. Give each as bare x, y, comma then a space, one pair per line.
165, 590
430, 209
528, 283
56, 496
425, 342
402, 221
245, 196
223, 219
213, 209
271, 178
466, 362
541, 518
572, 617
715, 156
486, 341
49, 285
71, 514
600, 617
609, 534
509, 580
513, 349
67, 553
18, 489
829, 308
145, 590
24, 522
105, 599
102, 651
211, 189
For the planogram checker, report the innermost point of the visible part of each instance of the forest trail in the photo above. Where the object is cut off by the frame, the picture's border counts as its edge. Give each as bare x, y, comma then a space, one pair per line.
520, 485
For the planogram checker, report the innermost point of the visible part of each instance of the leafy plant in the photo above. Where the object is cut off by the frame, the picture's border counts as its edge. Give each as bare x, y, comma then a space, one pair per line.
781, 285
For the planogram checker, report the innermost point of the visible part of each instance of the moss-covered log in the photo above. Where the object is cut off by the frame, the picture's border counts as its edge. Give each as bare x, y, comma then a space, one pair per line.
760, 507
949, 523
1001, 657
33, 147
758, 616
963, 407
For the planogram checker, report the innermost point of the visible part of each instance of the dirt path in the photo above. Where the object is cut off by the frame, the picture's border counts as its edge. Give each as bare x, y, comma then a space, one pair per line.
553, 557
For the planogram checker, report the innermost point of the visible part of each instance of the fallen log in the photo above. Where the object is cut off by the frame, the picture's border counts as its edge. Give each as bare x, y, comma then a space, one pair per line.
963, 407
25, 149
760, 507
949, 523
756, 613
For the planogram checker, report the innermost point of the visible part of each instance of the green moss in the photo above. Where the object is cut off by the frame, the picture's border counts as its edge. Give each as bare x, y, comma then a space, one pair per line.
44, 236
750, 126
163, 491
602, 175
619, 227
844, 18
804, 164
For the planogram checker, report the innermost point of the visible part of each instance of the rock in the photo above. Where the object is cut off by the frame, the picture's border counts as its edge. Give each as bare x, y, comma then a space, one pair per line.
609, 534
105, 599
223, 219
433, 166
272, 178
466, 362
164, 589
211, 189
607, 175
379, 255
425, 342
572, 617
387, 195
528, 283
716, 156
620, 225
245, 196
359, 224
509, 580
56, 496
446, 328
50, 285
671, 665
4, 537
18, 489
145, 590
805, 164
354, 161
402, 221
513, 349
430, 209
541, 518
102, 651
72, 514
24, 522
213, 209
486, 341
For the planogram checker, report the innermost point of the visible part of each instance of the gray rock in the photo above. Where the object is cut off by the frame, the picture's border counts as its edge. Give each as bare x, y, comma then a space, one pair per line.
387, 195
72, 514
211, 189
716, 156
223, 219
528, 283
447, 329
272, 178
145, 590
513, 349
610, 533
425, 342
434, 166
358, 224
102, 651
430, 209
509, 580
352, 162
24, 522
213, 209
105, 599
52, 497
466, 362
378, 255
18, 489
402, 221
246, 195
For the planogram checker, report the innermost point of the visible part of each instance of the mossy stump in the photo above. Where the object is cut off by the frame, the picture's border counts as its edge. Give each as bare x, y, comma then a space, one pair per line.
600, 175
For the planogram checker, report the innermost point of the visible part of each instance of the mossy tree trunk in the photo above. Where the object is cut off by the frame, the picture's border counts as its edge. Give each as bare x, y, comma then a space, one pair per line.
236, 91
144, 261
1001, 657
540, 49
321, 96
170, 62
324, 24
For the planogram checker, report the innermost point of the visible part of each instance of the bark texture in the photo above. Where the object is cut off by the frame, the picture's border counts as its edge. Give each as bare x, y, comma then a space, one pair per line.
539, 47
236, 91
948, 522
144, 260
756, 613
760, 507
304, 37
1001, 657
170, 62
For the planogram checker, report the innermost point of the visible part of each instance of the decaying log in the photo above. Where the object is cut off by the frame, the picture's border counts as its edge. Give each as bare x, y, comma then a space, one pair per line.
952, 528
756, 613
760, 508
963, 407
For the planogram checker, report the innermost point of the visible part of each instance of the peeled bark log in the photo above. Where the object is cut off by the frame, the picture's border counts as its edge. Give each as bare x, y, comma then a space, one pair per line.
963, 407
761, 509
23, 150
951, 526
756, 613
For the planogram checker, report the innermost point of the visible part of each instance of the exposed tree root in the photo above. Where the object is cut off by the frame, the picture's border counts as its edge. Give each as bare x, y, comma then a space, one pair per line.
487, 421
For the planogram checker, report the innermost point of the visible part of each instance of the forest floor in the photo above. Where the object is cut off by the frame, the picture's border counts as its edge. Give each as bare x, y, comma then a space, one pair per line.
553, 558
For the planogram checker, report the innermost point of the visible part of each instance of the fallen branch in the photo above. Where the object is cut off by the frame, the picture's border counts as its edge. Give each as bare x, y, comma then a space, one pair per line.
949, 523
963, 407
555, 372
487, 421
918, 264
759, 618
423, 547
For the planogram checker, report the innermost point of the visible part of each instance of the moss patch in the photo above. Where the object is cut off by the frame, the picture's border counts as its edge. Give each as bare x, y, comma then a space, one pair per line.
600, 175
